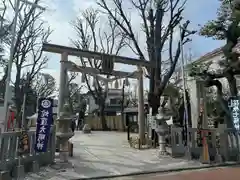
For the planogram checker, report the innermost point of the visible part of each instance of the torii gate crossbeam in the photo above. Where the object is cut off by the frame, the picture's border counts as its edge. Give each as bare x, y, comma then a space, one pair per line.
47, 47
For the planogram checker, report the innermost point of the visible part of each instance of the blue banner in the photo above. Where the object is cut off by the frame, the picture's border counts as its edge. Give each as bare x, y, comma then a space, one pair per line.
234, 107
44, 122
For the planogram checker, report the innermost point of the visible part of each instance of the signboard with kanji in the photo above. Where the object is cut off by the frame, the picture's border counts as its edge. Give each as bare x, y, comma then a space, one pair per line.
44, 122
154, 123
234, 107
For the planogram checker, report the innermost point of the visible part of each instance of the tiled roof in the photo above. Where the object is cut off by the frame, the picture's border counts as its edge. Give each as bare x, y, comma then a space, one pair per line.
211, 54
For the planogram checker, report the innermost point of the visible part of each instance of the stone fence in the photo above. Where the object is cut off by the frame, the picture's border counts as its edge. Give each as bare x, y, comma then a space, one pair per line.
221, 143
15, 164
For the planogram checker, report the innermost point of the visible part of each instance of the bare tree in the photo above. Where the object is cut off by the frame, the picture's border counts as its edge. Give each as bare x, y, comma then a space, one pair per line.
75, 98
111, 41
4, 24
28, 56
159, 22
4, 32
73, 91
44, 85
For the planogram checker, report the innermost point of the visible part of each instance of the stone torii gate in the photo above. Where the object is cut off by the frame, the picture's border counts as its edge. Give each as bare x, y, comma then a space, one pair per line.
63, 130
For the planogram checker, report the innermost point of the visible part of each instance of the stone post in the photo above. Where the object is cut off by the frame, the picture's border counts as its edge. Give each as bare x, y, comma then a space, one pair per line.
64, 132
202, 102
141, 117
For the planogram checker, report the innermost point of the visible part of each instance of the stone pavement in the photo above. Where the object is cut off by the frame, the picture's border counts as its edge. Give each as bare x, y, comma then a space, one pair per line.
105, 154
229, 173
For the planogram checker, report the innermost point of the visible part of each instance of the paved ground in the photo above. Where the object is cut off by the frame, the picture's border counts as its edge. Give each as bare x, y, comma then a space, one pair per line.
206, 174
108, 153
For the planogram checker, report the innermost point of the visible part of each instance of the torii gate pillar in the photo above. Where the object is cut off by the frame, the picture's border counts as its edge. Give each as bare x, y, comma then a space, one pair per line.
64, 132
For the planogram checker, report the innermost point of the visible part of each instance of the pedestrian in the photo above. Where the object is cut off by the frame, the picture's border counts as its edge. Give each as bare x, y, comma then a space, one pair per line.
73, 124
79, 124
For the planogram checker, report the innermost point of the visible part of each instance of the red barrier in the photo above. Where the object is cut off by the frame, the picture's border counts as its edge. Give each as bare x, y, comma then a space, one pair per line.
11, 117
205, 158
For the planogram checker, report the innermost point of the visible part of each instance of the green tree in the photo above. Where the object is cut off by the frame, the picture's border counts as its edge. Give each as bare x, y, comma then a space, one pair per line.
224, 27
216, 28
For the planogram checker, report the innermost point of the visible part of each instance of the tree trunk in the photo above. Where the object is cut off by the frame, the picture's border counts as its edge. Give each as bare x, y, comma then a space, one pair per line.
233, 92
154, 102
232, 84
18, 104
70, 102
102, 117
18, 118
222, 101
3, 83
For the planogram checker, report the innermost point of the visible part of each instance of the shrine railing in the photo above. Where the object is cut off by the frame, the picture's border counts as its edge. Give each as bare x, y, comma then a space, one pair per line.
225, 143
11, 158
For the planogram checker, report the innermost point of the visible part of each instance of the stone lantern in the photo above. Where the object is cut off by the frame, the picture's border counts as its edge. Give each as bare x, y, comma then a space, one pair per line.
162, 129
64, 132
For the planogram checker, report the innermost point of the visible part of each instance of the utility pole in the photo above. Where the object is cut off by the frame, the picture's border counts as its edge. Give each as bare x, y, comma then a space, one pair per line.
186, 123
183, 79
10, 62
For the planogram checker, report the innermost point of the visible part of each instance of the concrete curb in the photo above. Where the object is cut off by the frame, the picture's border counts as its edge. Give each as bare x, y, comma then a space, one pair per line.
162, 171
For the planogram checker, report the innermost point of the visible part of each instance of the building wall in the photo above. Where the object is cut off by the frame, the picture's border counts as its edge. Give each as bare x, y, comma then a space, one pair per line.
112, 94
192, 87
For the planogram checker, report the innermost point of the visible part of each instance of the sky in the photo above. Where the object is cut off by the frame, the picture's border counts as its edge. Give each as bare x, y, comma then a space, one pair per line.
60, 13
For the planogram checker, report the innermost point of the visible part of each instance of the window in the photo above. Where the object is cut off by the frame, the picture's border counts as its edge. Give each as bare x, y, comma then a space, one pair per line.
115, 101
